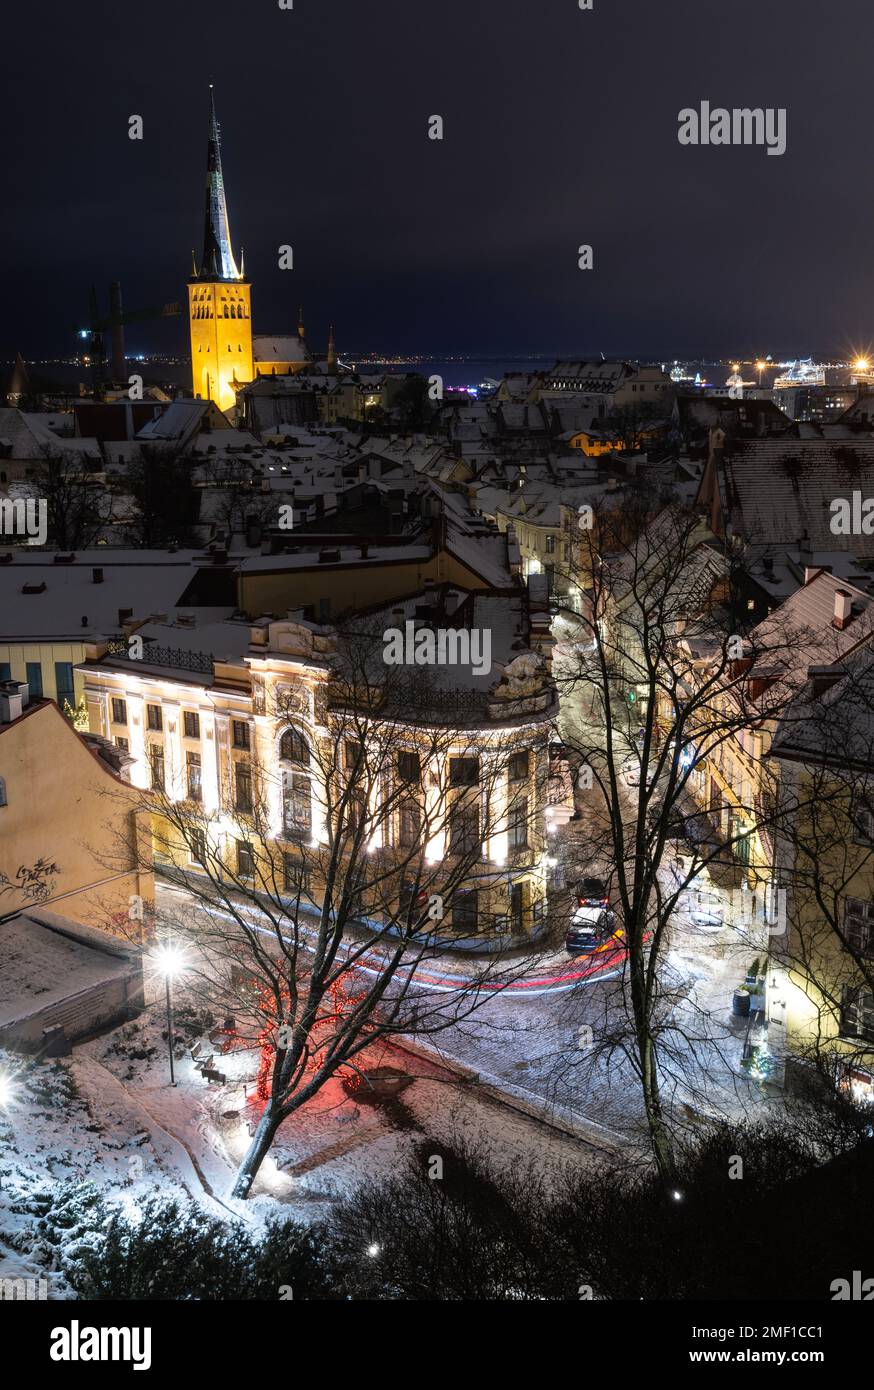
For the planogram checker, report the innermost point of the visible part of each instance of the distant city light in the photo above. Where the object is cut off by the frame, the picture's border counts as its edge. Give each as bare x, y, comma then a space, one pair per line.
7, 1092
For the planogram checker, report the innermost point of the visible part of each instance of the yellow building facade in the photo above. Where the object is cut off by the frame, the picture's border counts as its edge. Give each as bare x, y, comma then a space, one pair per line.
220, 317
61, 803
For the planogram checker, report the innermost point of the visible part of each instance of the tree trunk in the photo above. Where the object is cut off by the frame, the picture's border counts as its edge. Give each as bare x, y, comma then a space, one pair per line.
660, 1138
256, 1153
658, 1131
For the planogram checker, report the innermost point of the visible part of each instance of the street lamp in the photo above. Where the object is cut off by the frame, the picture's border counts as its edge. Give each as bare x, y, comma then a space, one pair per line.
169, 961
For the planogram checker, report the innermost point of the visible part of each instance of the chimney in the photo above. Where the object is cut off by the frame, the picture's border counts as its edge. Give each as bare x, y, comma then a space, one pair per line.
10, 702
811, 571
843, 609
97, 575
124, 614
822, 678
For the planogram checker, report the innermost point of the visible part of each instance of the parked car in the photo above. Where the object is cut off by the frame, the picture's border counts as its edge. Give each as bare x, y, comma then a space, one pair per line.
589, 928
592, 892
706, 909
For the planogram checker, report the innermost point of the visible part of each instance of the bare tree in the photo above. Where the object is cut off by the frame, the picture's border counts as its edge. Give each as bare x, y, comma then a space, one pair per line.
353, 856
654, 685
825, 835
78, 504
160, 482
237, 495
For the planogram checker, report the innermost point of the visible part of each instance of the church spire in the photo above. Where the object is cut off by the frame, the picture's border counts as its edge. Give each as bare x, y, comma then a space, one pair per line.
217, 261
300, 328
332, 351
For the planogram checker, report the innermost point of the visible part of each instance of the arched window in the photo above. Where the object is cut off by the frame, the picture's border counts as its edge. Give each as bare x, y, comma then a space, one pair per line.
293, 748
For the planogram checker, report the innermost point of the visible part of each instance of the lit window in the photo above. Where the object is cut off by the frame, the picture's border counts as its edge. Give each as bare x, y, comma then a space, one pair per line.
193, 776
296, 804
293, 748
242, 787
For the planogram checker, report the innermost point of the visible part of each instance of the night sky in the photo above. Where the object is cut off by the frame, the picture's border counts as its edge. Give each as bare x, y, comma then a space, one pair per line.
560, 128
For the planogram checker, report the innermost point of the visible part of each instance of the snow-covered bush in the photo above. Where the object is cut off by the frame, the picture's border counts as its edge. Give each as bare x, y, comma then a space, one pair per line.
175, 1250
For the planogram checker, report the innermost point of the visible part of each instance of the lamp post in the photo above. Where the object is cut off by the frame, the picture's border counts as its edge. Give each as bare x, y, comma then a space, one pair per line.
168, 961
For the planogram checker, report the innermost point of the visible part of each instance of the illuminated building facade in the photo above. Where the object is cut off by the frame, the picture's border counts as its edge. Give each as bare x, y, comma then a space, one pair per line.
252, 734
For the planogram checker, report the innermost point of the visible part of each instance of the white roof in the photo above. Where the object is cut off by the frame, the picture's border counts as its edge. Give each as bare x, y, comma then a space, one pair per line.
145, 581
271, 350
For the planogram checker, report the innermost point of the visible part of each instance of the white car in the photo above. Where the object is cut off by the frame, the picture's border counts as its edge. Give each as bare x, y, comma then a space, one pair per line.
706, 910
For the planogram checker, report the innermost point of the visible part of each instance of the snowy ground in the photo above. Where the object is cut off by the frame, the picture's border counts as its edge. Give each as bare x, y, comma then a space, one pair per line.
108, 1116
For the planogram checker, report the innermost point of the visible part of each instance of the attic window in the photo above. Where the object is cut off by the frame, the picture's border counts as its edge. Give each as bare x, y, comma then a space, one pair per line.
34, 588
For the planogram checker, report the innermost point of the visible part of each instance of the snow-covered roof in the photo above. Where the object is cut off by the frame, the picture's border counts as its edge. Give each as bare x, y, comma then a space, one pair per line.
271, 350
30, 436
779, 490
48, 958
178, 423
144, 581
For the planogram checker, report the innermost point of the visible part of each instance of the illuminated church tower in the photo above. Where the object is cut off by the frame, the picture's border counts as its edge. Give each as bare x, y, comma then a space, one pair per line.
219, 299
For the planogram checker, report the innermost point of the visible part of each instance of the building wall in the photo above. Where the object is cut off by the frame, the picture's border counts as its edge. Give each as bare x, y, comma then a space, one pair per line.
332, 589
816, 966
47, 655
240, 726
64, 806
220, 319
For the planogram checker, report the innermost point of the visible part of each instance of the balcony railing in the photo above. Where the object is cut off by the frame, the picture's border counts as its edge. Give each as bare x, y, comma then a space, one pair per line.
176, 657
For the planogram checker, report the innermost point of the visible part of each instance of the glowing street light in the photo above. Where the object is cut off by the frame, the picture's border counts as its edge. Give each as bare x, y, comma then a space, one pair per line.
169, 961
861, 364
7, 1092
